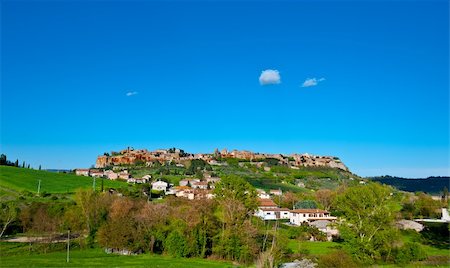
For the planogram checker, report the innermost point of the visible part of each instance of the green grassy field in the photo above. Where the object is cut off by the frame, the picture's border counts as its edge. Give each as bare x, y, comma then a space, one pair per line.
311, 247
17, 255
22, 179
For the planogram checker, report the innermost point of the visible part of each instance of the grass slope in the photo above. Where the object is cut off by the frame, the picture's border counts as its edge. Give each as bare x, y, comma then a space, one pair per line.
22, 179
17, 255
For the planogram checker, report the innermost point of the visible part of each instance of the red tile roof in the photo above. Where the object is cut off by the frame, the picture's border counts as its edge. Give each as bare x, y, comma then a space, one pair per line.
266, 203
309, 210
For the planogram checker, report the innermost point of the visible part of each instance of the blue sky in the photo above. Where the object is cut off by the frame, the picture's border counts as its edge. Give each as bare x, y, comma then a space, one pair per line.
80, 78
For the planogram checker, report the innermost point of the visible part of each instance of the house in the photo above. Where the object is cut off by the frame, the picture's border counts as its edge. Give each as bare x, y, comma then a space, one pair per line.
273, 213
299, 216
184, 182
180, 191
96, 173
213, 180
110, 175
160, 186
262, 194
200, 185
82, 172
326, 227
124, 175
276, 192
147, 177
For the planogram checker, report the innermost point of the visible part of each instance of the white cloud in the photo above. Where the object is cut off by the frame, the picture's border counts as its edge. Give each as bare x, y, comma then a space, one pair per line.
269, 77
310, 82
131, 93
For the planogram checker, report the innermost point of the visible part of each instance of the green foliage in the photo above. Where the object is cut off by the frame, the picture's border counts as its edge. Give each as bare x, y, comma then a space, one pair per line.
176, 244
236, 188
409, 252
305, 204
369, 212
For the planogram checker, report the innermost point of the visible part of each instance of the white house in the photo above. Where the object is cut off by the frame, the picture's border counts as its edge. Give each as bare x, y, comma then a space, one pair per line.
273, 213
298, 216
82, 172
147, 177
276, 192
96, 173
200, 185
111, 175
184, 182
160, 185
262, 194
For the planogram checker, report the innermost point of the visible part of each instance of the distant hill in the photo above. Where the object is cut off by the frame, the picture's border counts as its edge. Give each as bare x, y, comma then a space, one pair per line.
430, 185
24, 179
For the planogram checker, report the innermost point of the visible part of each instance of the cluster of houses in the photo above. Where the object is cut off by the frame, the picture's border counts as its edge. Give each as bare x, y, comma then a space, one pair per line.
190, 188
268, 210
111, 175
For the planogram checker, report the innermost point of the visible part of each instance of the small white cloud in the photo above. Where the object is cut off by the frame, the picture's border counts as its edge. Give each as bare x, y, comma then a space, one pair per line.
269, 77
131, 93
310, 82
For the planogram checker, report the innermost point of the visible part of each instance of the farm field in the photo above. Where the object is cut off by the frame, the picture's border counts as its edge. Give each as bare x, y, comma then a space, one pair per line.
22, 179
16, 255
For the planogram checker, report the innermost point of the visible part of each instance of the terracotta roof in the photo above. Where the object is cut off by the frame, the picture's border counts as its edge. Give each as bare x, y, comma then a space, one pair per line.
309, 210
266, 203
182, 187
323, 218
274, 209
200, 183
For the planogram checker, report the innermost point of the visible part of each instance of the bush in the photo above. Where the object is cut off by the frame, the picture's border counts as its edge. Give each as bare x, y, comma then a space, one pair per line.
336, 259
408, 253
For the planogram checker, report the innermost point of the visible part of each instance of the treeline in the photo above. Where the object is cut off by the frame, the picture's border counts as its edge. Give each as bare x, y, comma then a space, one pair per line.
5, 162
431, 185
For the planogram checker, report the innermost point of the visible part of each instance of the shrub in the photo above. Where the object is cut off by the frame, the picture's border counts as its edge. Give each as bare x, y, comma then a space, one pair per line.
408, 253
336, 259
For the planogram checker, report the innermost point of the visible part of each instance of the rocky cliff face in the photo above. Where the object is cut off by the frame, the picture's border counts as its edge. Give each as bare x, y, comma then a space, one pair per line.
131, 156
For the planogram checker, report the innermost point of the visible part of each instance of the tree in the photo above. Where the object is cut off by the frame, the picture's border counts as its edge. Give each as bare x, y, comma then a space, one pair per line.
237, 201
325, 197
39, 167
235, 188
16, 164
305, 204
445, 194
369, 212
8, 214
3, 160
23, 164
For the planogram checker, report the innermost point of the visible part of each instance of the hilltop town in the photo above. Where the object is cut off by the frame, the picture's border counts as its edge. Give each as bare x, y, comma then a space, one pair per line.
131, 156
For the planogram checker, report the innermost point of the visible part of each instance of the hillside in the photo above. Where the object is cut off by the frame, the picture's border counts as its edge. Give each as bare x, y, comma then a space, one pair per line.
14, 179
431, 185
